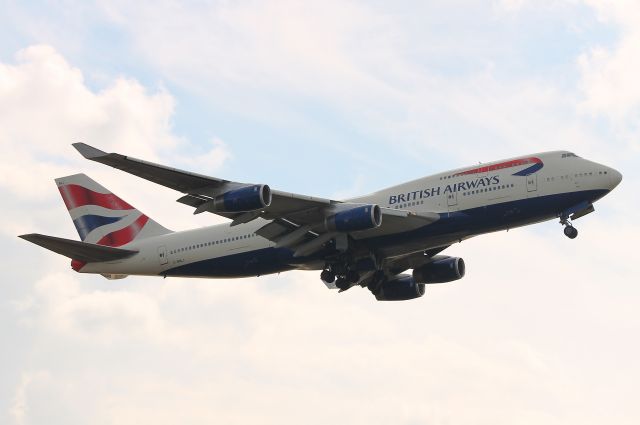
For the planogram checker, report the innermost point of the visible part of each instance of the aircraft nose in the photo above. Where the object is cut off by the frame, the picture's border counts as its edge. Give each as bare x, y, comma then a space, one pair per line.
615, 177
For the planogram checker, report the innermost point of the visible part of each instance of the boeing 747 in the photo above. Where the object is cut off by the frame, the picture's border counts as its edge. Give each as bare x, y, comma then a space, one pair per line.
369, 241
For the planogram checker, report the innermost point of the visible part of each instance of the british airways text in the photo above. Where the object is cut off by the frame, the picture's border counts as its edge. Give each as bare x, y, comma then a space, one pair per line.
435, 191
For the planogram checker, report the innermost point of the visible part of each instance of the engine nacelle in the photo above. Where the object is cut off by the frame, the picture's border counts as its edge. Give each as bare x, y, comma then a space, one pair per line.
248, 198
400, 288
359, 218
444, 269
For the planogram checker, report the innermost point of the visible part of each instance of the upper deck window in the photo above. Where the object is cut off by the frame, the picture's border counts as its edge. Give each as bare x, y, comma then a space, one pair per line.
570, 155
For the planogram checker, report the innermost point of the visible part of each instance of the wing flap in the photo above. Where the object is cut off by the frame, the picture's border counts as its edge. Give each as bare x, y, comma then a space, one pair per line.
76, 250
275, 229
286, 203
192, 200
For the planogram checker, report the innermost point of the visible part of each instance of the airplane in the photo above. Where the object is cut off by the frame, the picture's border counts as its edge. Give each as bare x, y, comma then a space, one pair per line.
369, 241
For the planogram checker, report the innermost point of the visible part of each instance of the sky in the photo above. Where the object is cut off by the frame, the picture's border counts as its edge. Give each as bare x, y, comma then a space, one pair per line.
333, 99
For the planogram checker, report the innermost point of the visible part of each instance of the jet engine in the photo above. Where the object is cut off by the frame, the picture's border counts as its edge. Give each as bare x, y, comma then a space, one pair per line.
247, 198
359, 218
400, 288
442, 269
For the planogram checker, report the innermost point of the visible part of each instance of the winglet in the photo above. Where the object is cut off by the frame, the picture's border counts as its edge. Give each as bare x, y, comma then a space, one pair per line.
87, 151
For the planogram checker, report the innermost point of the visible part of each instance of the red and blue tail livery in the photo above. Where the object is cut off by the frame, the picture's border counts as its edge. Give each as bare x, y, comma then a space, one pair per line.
101, 217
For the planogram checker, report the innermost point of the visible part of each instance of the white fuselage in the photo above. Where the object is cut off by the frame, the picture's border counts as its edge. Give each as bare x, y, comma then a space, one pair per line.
470, 201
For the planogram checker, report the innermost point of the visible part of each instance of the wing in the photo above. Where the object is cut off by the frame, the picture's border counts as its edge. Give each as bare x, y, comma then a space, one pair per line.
304, 223
201, 189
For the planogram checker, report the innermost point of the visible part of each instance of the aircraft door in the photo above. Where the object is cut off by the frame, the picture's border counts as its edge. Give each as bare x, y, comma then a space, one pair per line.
452, 199
162, 255
532, 182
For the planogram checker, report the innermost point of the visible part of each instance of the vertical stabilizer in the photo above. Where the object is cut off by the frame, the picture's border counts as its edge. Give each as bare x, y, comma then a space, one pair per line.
101, 217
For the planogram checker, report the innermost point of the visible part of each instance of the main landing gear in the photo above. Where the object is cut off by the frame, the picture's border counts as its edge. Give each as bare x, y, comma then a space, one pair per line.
569, 231
327, 276
344, 280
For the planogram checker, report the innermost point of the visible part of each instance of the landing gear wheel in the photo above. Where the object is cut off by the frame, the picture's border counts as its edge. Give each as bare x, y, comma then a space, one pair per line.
570, 232
327, 276
342, 284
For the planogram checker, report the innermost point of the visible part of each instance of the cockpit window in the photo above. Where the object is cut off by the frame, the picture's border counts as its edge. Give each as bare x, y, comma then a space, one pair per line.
570, 155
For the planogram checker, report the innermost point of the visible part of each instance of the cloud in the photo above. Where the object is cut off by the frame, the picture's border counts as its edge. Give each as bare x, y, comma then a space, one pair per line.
277, 348
104, 316
397, 80
538, 331
609, 73
46, 105
46, 102
285, 43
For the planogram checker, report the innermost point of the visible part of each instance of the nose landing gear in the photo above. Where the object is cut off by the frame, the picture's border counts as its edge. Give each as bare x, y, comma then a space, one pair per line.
569, 231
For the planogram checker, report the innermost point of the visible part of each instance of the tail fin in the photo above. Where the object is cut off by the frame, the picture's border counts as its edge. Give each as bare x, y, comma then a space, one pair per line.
101, 217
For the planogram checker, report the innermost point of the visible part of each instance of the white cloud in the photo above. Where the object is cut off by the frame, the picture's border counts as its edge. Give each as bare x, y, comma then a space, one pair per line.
283, 349
104, 316
537, 332
511, 5
370, 64
217, 154
609, 74
45, 105
287, 44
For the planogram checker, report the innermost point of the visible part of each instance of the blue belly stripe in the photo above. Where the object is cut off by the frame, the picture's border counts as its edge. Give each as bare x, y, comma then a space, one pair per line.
470, 222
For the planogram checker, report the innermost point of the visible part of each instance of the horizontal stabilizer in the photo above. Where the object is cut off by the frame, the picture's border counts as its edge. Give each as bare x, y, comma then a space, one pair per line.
76, 250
